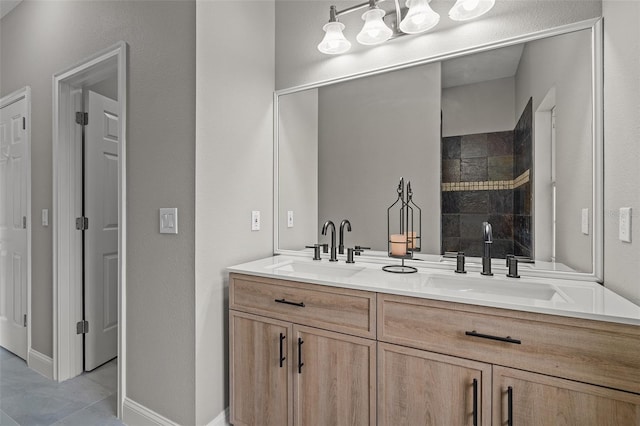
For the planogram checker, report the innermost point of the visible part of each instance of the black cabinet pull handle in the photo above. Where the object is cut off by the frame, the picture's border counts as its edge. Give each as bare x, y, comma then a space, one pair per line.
300, 363
507, 339
282, 358
286, 302
475, 402
509, 406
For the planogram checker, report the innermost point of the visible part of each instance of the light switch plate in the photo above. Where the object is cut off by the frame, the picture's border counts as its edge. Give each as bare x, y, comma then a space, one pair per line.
255, 220
169, 220
45, 217
290, 219
585, 221
625, 224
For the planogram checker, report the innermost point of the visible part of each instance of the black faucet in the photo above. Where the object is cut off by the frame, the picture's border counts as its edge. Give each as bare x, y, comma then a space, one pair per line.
342, 225
355, 251
486, 255
334, 256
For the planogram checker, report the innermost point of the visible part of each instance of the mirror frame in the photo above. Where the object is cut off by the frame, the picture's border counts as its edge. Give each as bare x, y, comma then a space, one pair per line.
597, 65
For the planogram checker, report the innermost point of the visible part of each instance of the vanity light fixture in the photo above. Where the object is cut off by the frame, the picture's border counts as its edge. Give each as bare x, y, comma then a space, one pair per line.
464, 10
418, 18
334, 41
374, 30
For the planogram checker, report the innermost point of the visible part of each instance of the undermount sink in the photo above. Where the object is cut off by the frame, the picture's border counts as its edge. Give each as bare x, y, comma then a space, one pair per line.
492, 286
317, 269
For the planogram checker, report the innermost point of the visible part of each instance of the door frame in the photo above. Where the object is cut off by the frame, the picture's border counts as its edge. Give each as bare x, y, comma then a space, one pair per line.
67, 193
25, 93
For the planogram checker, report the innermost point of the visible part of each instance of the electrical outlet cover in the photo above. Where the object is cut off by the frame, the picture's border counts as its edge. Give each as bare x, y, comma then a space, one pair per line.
169, 220
625, 224
255, 220
585, 221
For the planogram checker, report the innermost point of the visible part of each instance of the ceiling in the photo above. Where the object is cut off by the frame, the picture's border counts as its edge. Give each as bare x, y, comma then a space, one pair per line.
484, 66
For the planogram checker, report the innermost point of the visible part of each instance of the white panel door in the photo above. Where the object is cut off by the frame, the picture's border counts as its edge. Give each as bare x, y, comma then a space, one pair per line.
101, 238
14, 167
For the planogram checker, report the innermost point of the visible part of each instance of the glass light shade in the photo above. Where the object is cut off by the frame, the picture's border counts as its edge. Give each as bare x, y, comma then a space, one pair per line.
374, 30
334, 41
420, 17
464, 10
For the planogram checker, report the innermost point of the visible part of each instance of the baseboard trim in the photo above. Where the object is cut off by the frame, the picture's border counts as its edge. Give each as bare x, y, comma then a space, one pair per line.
139, 415
221, 420
40, 363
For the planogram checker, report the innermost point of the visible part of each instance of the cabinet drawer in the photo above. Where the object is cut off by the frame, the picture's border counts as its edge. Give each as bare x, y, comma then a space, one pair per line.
583, 350
343, 310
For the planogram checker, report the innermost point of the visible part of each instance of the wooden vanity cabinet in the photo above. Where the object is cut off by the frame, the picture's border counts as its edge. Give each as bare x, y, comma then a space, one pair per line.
417, 387
285, 372
305, 354
261, 387
528, 399
547, 370
334, 378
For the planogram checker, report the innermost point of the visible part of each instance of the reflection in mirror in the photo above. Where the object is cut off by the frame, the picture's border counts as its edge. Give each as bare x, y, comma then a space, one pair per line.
504, 136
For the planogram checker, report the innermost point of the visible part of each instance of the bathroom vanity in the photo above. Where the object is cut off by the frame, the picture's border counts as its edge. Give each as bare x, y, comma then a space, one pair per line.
319, 343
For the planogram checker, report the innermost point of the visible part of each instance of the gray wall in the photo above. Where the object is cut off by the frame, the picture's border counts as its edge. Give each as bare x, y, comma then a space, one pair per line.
39, 39
484, 107
622, 147
564, 62
234, 169
298, 169
372, 131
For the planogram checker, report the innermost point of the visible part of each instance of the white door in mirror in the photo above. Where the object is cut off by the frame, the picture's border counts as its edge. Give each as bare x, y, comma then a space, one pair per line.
169, 220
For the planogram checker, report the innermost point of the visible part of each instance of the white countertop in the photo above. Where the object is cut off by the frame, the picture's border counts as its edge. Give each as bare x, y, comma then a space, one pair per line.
579, 299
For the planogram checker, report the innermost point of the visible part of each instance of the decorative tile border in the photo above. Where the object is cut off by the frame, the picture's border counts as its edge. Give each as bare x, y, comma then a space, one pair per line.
490, 185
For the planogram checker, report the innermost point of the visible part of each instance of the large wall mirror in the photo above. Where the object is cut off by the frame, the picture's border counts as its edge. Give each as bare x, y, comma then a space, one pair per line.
509, 134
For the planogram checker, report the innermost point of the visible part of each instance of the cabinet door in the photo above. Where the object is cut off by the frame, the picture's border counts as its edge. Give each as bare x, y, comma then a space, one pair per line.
260, 383
522, 398
422, 388
334, 378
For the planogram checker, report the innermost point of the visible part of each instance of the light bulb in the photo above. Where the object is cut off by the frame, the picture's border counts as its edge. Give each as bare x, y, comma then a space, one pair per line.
464, 10
374, 30
469, 5
420, 17
334, 41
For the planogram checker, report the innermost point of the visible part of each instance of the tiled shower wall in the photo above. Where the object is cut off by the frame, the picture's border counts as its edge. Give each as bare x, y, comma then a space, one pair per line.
482, 181
522, 212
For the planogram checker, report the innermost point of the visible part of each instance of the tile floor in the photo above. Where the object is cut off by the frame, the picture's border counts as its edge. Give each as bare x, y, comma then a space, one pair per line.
29, 399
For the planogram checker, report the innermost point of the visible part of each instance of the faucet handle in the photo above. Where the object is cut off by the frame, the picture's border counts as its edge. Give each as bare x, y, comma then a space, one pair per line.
351, 251
324, 247
316, 251
507, 258
360, 249
512, 262
460, 263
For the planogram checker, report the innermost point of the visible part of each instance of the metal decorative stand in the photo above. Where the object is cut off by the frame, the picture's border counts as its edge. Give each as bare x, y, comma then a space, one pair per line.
417, 237
403, 239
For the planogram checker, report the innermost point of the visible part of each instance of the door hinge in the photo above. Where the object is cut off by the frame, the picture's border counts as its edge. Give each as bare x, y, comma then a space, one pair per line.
24, 222
82, 327
24, 123
25, 320
82, 223
82, 118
